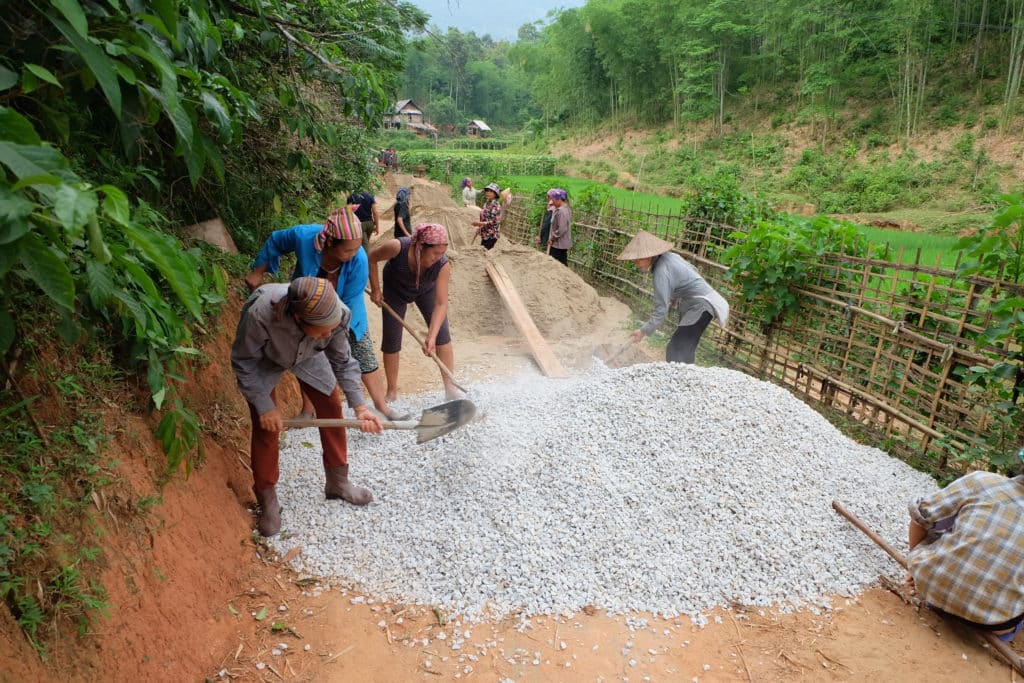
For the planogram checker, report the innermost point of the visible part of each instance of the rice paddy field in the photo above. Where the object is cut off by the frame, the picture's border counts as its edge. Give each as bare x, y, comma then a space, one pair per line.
934, 248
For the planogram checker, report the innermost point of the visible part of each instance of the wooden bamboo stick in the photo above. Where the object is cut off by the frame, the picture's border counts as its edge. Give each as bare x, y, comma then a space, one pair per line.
1004, 649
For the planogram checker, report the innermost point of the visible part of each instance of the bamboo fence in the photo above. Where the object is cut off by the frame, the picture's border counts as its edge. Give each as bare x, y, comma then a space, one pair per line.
887, 342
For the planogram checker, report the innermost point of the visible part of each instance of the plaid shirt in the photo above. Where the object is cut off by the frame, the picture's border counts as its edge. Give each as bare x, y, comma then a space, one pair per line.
490, 216
972, 562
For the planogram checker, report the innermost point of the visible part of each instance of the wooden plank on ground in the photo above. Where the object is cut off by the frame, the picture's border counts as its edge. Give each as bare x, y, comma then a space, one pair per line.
542, 353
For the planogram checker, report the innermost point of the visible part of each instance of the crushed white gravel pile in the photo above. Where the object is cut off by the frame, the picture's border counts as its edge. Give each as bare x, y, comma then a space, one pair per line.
664, 488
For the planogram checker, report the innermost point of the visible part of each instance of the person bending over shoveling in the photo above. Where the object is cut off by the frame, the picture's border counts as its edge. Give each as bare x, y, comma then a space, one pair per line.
676, 283
966, 555
416, 270
301, 327
334, 252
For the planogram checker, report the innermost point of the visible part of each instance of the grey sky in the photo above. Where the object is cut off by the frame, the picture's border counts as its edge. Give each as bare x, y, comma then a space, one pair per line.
500, 20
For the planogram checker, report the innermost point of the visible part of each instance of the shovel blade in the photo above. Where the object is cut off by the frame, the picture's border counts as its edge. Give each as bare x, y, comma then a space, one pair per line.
444, 418
611, 354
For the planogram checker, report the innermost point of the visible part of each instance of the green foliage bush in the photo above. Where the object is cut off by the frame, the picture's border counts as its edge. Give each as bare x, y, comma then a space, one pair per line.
776, 257
719, 199
946, 116
121, 121
998, 251
442, 165
841, 184
874, 122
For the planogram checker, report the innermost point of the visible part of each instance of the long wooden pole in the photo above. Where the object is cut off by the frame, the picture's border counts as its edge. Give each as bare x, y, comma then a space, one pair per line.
999, 646
415, 335
870, 533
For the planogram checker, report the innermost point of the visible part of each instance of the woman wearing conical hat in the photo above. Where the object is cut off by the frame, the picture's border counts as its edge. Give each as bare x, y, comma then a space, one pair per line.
676, 283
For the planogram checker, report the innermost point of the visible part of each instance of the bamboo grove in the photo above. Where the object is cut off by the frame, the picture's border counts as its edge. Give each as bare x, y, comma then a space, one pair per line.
669, 61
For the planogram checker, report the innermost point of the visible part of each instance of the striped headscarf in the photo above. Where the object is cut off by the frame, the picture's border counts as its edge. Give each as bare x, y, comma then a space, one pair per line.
314, 300
466, 181
426, 235
341, 224
558, 193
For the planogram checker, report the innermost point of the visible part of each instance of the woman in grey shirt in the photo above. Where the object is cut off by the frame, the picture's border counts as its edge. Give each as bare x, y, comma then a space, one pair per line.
560, 237
677, 283
301, 327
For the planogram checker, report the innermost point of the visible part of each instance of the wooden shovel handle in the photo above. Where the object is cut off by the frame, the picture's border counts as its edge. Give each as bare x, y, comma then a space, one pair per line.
869, 532
622, 349
415, 335
999, 646
343, 422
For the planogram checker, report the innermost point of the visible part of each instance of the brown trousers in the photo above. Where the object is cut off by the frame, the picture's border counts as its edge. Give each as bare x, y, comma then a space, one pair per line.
264, 449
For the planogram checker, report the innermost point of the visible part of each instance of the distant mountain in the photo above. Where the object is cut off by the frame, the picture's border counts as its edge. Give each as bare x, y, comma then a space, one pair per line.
487, 17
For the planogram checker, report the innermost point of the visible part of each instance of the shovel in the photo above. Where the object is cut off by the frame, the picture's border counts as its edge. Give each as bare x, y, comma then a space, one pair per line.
415, 335
433, 422
608, 354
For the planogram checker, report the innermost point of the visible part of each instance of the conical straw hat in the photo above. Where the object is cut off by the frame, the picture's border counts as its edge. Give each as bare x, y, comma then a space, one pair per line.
644, 245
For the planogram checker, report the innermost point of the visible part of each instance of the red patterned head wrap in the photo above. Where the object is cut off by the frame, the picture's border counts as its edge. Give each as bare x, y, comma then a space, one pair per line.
341, 224
426, 235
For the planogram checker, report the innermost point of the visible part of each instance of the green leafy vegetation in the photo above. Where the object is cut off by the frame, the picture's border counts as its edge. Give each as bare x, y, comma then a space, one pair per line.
920, 247
45, 573
997, 251
119, 124
816, 103
401, 140
776, 257
690, 60
443, 165
721, 199
531, 184
458, 76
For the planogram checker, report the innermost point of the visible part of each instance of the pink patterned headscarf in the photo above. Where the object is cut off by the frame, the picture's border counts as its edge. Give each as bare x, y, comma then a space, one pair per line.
426, 235
341, 224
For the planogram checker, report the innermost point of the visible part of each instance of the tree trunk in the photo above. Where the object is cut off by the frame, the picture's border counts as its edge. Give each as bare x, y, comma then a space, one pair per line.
956, 25
674, 79
1016, 66
977, 40
721, 91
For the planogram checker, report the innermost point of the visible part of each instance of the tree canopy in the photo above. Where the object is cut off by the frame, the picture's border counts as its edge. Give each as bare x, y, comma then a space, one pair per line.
659, 61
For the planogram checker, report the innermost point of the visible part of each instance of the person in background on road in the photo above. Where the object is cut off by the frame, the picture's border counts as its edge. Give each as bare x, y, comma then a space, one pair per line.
393, 159
560, 238
301, 327
489, 224
967, 551
416, 270
677, 283
403, 220
366, 212
332, 251
469, 192
545, 222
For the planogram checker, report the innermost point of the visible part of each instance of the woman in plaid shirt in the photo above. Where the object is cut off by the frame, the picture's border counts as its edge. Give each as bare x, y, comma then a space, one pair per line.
489, 225
967, 551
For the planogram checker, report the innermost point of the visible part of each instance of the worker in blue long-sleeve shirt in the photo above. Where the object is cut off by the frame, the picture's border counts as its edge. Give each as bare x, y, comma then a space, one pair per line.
332, 251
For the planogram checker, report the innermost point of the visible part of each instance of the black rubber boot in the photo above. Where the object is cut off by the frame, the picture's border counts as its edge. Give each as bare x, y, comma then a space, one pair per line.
339, 486
270, 512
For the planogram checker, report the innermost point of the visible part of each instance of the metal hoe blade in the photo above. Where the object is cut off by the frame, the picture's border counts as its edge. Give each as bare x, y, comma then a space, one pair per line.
442, 419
